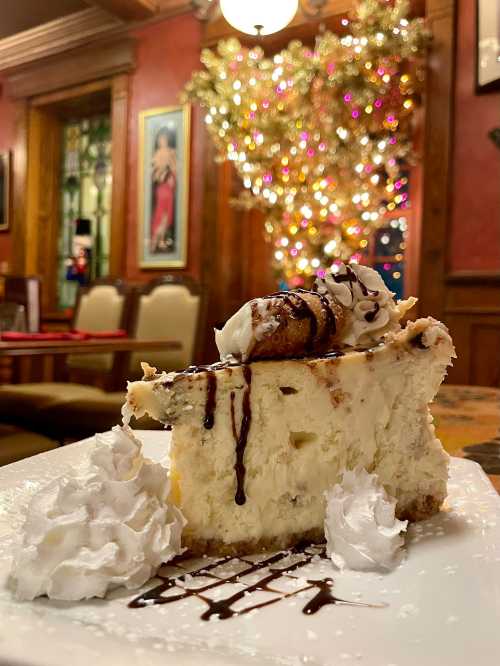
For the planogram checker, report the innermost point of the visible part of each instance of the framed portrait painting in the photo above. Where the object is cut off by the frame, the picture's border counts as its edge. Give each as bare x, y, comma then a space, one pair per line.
488, 45
4, 191
164, 143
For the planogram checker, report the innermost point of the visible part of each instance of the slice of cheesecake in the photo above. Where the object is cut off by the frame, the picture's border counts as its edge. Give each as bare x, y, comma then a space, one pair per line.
256, 445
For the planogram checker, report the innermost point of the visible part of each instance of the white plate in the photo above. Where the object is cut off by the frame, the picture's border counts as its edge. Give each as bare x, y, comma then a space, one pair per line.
442, 604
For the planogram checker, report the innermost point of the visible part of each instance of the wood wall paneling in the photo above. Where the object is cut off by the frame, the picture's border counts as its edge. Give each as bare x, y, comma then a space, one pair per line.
119, 138
437, 152
19, 185
472, 313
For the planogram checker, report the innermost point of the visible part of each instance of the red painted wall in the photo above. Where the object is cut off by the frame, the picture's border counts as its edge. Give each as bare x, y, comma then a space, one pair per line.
475, 228
167, 53
6, 143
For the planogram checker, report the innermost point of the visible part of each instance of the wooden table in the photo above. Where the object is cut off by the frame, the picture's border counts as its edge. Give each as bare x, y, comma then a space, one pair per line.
467, 420
92, 346
24, 352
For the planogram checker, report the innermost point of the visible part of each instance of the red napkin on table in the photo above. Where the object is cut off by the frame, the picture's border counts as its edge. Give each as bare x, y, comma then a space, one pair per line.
100, 335
13, 336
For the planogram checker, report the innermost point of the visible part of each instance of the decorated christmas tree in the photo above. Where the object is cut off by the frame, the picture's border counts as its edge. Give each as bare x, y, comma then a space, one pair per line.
318, 135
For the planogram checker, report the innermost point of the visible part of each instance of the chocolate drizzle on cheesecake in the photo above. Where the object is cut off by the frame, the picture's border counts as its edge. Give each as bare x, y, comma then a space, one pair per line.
233, 419
241, 443
291, 561
210, 402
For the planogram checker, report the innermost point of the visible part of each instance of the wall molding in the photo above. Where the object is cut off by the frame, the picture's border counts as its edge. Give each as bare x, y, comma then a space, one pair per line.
473, 277
81, 65
77, 29
55, 37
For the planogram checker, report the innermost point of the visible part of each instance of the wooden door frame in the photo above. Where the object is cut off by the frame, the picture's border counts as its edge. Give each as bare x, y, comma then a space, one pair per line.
36, 254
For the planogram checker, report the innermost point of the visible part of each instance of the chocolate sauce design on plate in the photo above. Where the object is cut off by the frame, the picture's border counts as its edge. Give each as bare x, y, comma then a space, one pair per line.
224, 608
241, 443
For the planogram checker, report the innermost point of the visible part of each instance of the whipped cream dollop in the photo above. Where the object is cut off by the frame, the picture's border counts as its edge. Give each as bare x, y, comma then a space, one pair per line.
362, 532
235, 338
110, 525
372, 311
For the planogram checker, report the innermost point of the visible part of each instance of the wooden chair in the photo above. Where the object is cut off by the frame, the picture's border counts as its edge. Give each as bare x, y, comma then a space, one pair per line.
171, 307
103, 305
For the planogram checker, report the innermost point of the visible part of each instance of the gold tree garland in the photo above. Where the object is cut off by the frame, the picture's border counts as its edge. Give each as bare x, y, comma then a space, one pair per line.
318, 135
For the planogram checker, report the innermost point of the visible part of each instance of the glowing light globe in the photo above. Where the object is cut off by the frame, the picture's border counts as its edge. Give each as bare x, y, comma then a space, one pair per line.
259, 17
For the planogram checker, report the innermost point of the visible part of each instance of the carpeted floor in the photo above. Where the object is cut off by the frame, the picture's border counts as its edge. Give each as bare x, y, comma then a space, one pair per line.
467, 420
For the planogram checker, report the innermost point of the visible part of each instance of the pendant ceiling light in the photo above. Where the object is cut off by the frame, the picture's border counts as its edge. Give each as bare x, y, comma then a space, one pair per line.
259, 17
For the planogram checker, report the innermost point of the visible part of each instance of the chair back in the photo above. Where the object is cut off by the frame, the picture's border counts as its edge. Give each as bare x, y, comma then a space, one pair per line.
104, 305
168, 308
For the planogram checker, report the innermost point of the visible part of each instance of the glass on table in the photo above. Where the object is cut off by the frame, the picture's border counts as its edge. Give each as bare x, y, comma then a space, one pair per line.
12, 317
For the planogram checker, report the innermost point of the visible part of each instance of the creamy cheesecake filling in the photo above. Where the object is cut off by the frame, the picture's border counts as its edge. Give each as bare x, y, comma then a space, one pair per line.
284, 433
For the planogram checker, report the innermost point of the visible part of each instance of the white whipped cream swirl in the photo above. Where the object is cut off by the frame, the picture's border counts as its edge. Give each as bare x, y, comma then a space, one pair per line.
111, 525
362, 532
372, 311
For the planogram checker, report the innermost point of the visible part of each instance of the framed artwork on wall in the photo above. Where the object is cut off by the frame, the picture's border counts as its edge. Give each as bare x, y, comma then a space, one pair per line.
164, 144
488, 45
4, 191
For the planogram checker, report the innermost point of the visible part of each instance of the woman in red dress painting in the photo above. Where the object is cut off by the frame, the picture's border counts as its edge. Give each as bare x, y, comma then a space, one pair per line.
164, 177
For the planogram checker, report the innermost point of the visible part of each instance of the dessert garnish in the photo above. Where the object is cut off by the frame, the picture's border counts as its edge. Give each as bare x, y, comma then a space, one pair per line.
349, 307
361, 528
268, 569
112, 524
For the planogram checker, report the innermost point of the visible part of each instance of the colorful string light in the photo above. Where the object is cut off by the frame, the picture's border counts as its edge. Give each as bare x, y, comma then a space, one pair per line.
318, 135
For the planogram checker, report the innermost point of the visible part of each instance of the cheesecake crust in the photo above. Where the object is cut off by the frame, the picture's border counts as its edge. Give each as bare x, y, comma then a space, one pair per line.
421, 508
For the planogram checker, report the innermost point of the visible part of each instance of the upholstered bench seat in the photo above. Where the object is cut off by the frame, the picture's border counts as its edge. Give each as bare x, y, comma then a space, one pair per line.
64, 411
21, 403
16, 444
82, 417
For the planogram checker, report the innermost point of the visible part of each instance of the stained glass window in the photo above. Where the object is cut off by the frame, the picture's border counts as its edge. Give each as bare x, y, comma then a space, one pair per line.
85, 196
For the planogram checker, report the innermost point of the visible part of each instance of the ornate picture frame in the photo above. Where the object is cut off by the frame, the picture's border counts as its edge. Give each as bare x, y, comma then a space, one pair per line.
163, 188
5, 184
488, 45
